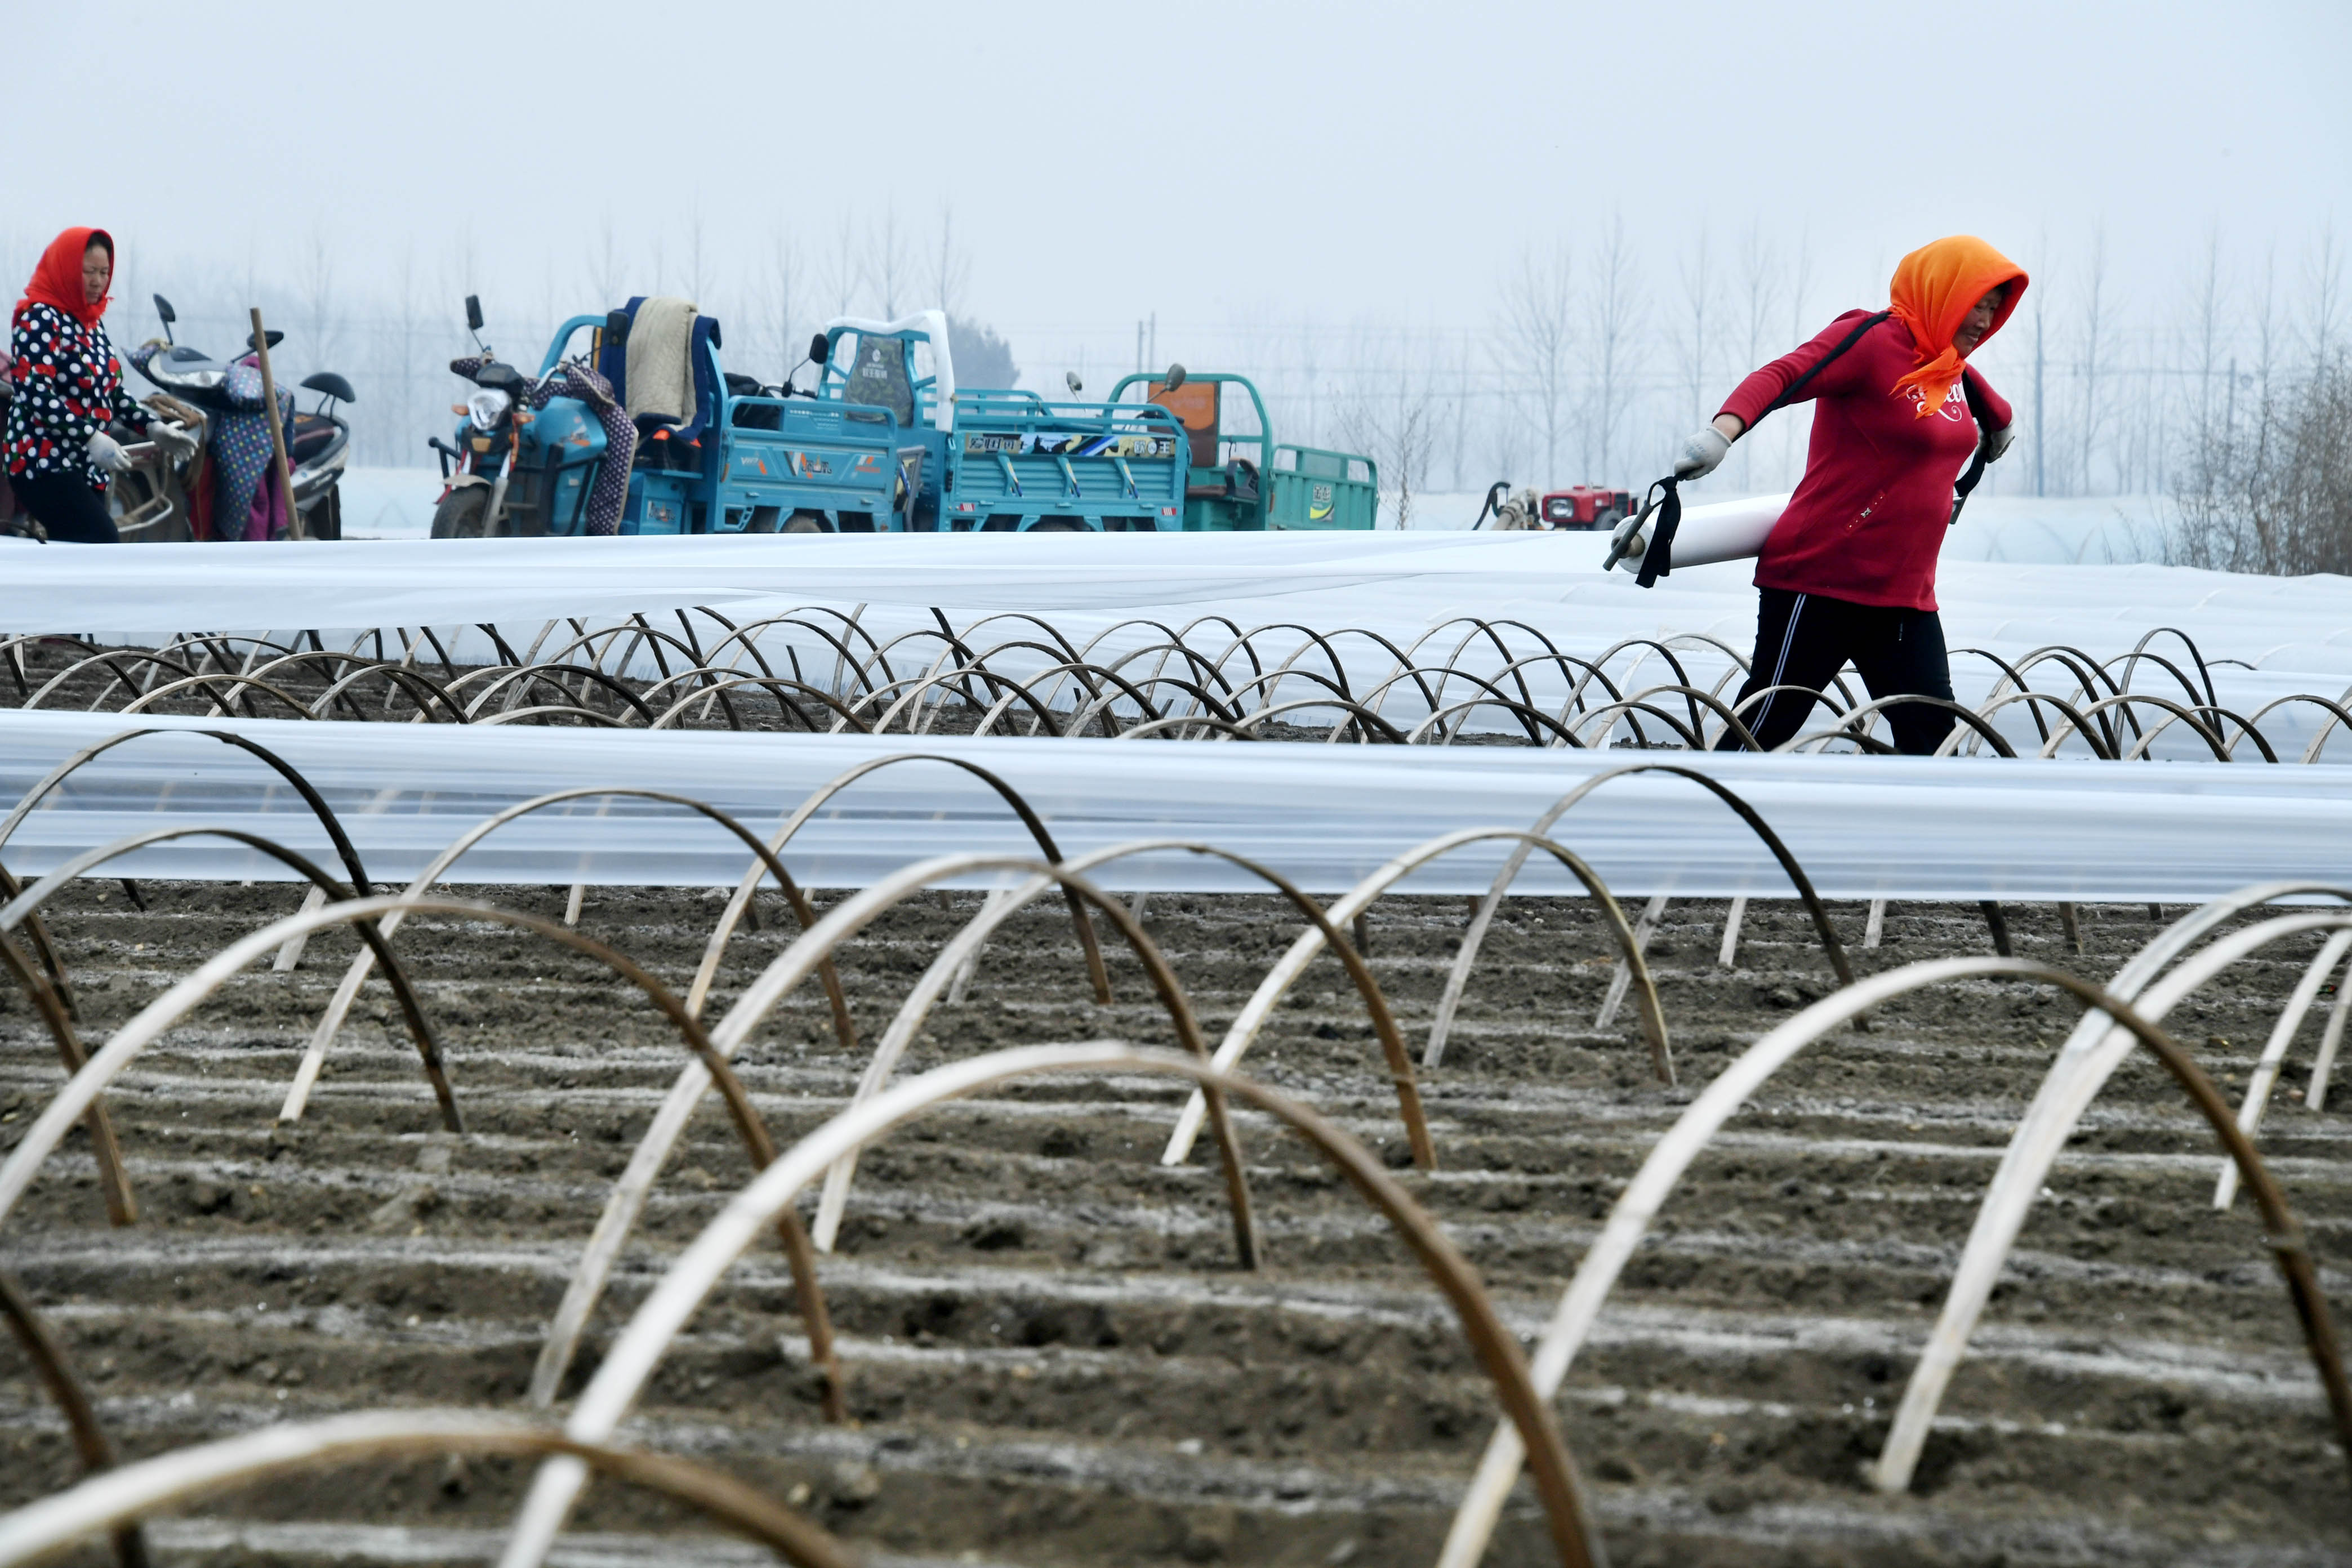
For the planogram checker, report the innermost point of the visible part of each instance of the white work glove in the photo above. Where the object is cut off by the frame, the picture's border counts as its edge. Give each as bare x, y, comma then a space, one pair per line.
179, 445
1998, 441
108, 453
1701, 453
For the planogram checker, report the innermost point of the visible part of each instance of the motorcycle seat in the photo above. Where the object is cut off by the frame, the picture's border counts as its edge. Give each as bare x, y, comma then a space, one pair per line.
313, 434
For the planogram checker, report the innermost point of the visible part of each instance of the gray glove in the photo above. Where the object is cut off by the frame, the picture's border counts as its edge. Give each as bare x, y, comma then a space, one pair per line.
1997, 442
178, 444
108, 453
1701, 453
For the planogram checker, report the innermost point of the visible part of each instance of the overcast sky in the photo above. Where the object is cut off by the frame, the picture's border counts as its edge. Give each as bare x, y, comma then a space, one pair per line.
1202, 161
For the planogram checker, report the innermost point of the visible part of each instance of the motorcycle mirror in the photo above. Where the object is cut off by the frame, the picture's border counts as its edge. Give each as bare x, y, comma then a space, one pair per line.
820, 348
1175, 378
163, 309
273, 335
473, 312
1070, 379
616, 327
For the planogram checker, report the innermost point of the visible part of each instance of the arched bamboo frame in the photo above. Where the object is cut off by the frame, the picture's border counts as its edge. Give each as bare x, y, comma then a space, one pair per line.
764, 863
114, 1499
2089, 1055
963, 948
1457, 979
92, 1447
1673, 1155
815, 801
82, 1090
640, 1347
1356, 899
778, 981
373, 947
285, 770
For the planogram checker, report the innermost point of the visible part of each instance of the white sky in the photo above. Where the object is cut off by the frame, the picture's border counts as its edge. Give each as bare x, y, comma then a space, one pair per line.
1204, 160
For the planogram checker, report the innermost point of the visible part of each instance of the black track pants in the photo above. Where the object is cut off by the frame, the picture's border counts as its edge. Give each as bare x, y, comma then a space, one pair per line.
67, 507
1802, 640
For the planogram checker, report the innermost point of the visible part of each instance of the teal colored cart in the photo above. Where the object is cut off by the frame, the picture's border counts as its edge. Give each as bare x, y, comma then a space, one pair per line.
1281, 486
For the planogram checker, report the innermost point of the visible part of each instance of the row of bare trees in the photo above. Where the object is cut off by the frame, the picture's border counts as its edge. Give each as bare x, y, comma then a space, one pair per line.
2268, 483
1584, 357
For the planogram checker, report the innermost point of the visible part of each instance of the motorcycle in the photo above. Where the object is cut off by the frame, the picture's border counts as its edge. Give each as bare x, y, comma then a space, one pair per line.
157, 501
478, 498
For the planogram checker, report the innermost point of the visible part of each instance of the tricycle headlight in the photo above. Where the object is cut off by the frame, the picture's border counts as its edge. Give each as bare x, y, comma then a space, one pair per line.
487, 407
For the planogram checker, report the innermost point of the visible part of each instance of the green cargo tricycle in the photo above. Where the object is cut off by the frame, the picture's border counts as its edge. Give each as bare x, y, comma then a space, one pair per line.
1283, 486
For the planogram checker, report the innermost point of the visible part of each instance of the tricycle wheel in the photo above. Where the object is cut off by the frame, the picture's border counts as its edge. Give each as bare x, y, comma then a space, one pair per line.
459, 515
762, 521
806, 522
1057, 525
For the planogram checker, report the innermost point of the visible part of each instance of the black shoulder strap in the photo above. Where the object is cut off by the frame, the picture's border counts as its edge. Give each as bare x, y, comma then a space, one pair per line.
1984, 416
1822, 364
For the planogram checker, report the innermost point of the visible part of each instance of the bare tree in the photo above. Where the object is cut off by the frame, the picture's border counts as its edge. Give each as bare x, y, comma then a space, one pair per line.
407, 327
318, 296
1756, 284
698, 280
2041, 369
2325, 281
605, 271
889, 262
1698, 274
845, 273
2095, 327
1396, 428
1537, 305
1461, 411
783, 296
950, 266
1801, 328
1614, 310
2205, 330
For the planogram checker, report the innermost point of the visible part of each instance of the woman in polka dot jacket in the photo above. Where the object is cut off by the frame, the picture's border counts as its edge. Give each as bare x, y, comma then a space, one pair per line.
68, 387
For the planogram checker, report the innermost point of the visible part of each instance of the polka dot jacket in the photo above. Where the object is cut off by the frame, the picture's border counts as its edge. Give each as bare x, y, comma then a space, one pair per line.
69, 385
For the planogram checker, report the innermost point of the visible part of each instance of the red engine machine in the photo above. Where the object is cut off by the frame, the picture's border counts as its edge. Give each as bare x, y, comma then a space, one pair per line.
1583, 507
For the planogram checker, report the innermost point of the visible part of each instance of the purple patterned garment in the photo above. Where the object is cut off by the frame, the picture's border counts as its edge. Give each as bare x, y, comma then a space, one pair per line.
575, 378
241, 458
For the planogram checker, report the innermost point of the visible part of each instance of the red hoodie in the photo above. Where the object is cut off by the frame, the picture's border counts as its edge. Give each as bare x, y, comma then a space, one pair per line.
1869, 515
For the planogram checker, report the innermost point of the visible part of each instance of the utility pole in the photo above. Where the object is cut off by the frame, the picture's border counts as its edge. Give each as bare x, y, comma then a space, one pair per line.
1138, 346
1155, 338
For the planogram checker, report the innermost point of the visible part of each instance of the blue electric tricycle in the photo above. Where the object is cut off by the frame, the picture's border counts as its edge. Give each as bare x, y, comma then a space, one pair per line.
730, 455
879, 445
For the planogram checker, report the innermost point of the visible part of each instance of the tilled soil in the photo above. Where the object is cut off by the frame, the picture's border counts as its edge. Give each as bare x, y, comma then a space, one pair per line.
1051, 1355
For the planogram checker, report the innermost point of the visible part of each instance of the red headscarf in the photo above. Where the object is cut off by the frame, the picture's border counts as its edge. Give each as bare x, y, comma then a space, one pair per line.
1935, 288
57, 279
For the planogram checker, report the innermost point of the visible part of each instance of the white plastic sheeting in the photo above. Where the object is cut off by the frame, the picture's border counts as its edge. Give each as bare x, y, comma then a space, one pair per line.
1394, 583
1326, 816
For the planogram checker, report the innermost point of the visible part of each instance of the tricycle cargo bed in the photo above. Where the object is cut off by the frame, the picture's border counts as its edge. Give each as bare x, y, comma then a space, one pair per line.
792, 454
1015, 461
1318, 489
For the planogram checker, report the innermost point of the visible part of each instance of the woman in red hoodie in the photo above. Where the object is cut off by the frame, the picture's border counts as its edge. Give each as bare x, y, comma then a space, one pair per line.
1849, 571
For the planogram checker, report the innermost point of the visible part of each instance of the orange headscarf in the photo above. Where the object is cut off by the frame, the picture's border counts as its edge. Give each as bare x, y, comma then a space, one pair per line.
57, 279
1935, 288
